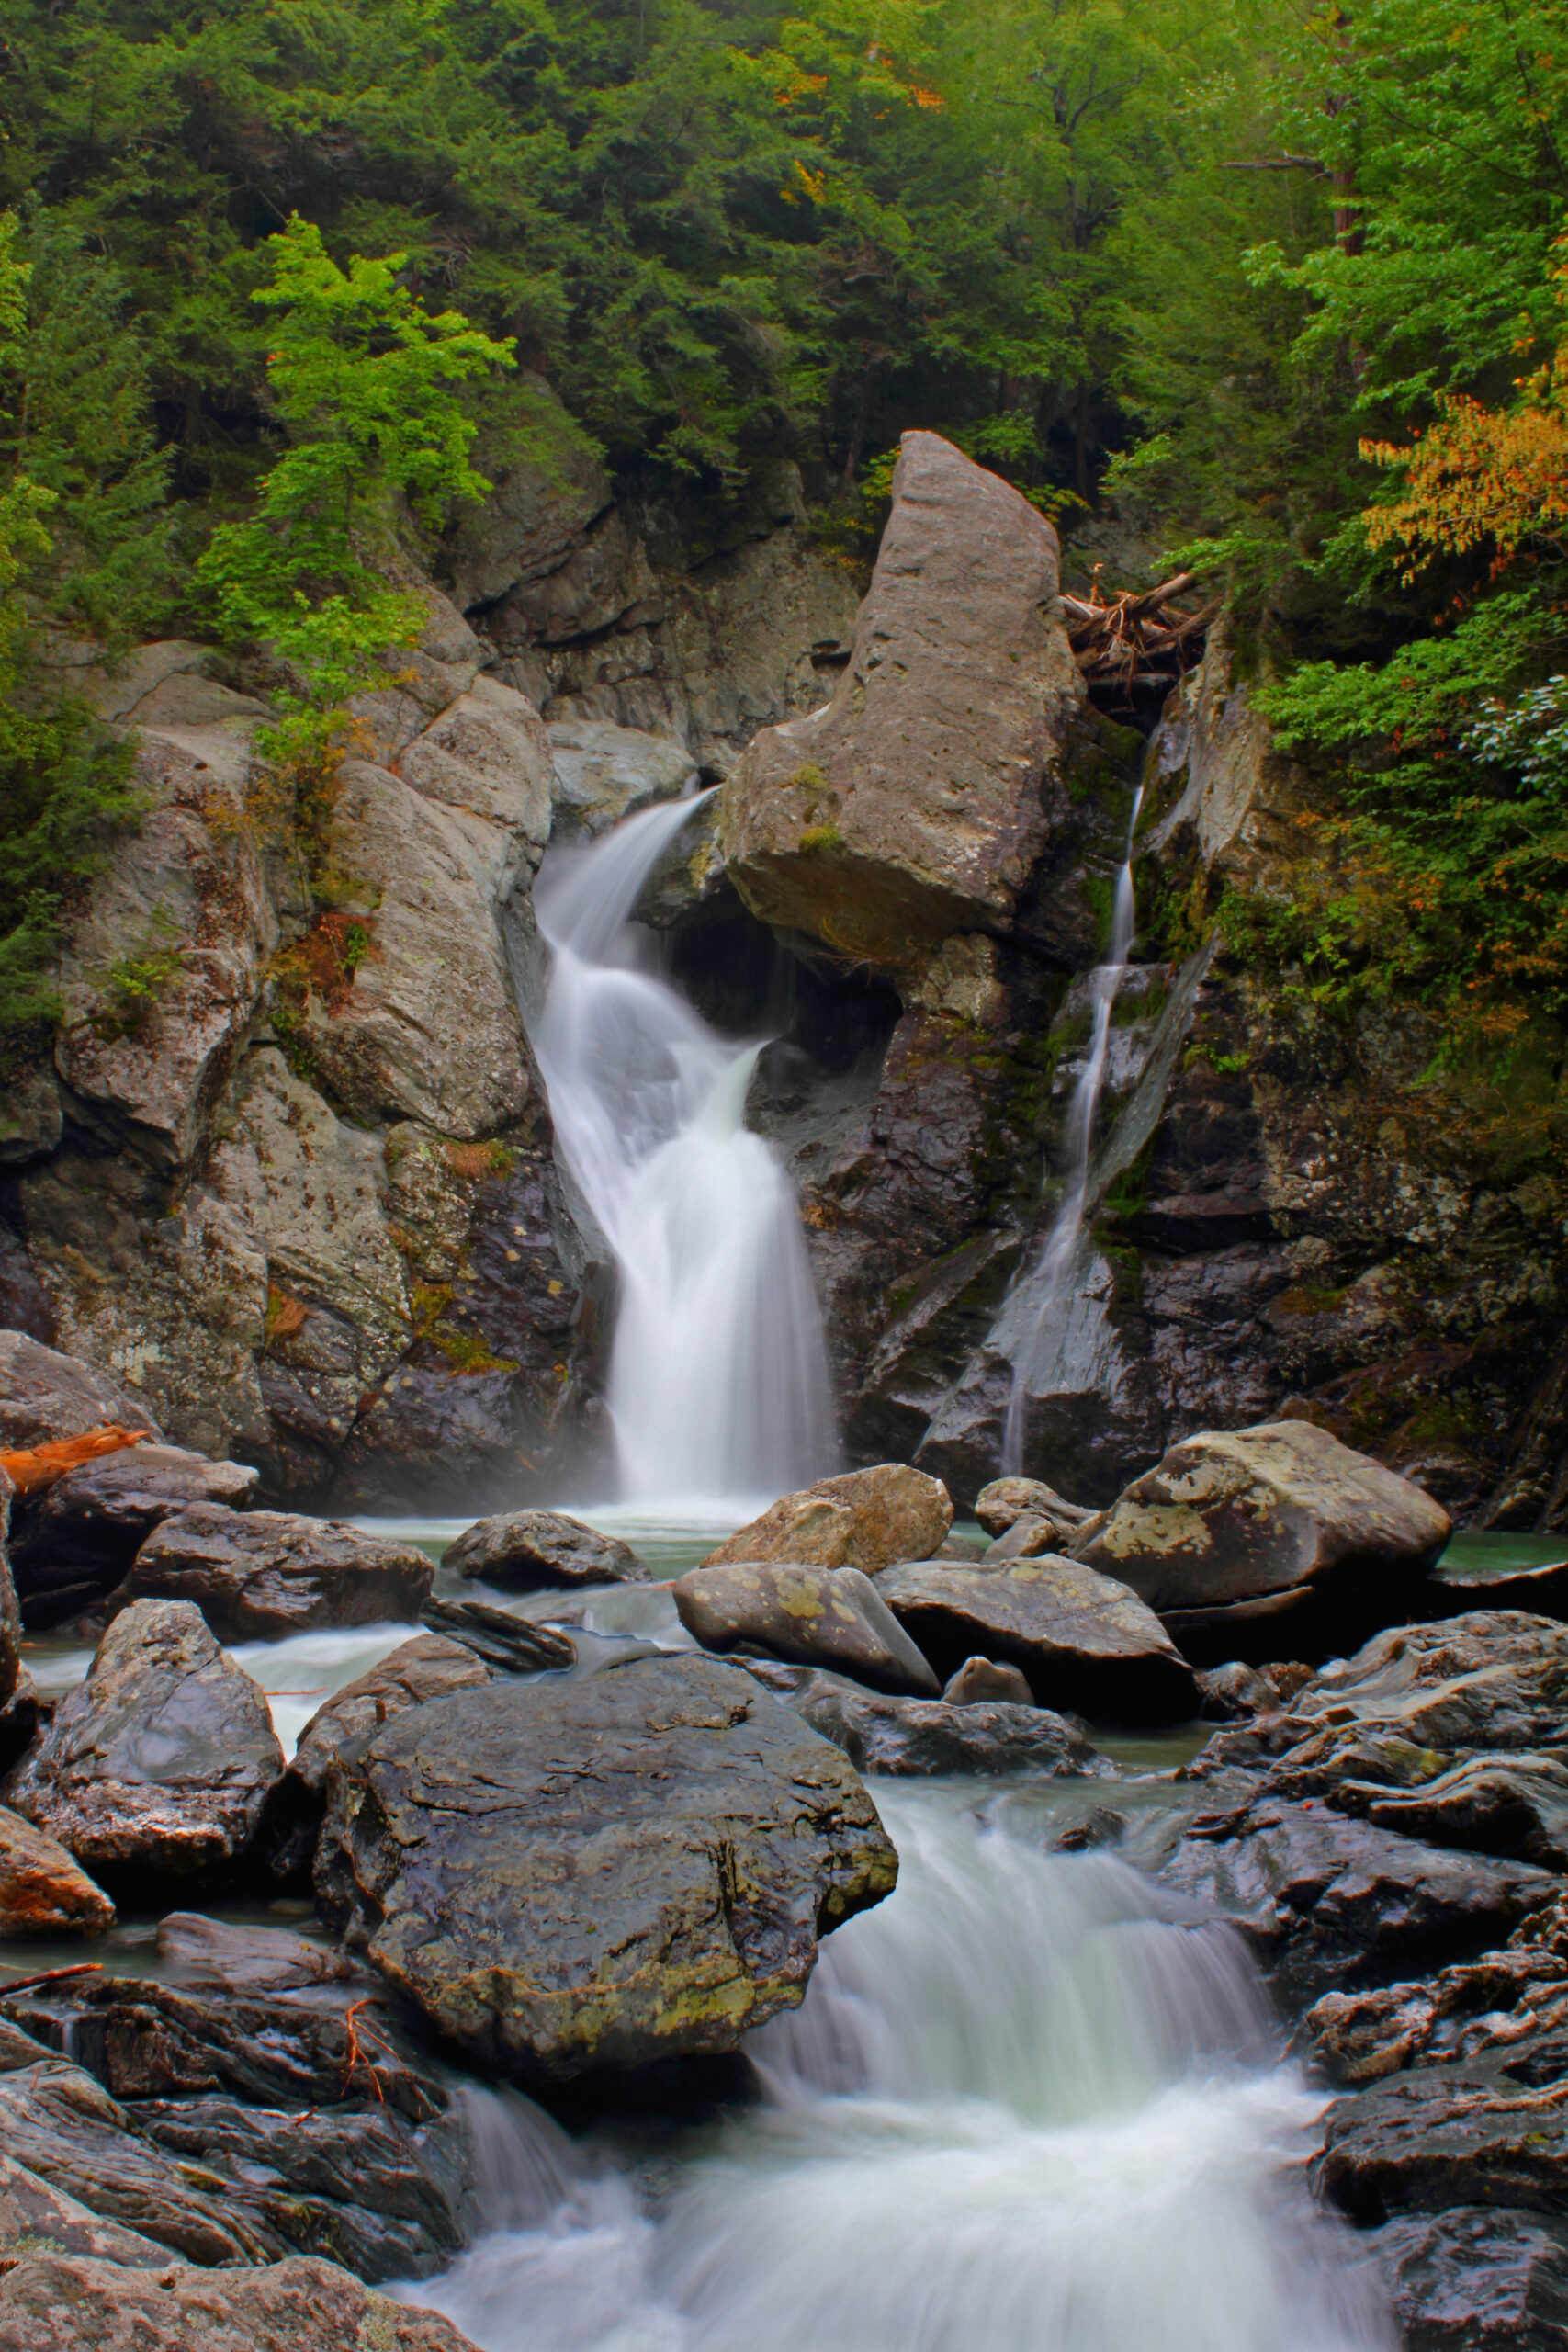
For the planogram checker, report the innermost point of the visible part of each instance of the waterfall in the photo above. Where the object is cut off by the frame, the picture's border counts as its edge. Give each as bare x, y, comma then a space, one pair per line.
1035, 1319
1029, 2104
718, 1377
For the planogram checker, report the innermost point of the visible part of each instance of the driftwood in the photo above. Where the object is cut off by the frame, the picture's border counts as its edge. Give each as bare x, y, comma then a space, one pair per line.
1132, 638
38, 1466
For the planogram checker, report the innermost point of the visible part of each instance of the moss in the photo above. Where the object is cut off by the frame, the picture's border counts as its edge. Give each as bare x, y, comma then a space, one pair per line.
1100, 895
1127, 1195
467, 1353
1141, 1009
820, 837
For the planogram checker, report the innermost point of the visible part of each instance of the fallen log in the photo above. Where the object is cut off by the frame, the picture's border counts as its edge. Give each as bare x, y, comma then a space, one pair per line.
36, 1467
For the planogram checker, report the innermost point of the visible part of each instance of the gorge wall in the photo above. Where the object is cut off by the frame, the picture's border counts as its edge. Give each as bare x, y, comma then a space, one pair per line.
289, 1172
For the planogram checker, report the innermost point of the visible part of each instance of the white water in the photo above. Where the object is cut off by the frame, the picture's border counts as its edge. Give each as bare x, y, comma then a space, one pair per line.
718, 1376
1044, 1309
1024, 2109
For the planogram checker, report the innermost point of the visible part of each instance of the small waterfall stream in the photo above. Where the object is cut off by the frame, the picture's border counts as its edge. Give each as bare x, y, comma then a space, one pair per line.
1036, 1315
719, 1379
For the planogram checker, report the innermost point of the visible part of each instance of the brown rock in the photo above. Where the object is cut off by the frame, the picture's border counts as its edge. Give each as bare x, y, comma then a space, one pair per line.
42, 1892
833, 1618
35, 2215
1005, 1500
54, 2302
257, 1576
1030, 1535
864, 1519
980, 1682
526, 1551
91, 1524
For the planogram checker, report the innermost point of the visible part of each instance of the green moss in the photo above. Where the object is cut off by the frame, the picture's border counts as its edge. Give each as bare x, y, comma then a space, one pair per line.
1127, 1195
1100, 894
820, 837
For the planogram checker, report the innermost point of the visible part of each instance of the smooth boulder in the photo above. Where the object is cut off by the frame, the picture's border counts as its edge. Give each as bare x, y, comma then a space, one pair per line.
43, 1890
827, 1617
60, 2302
601, 1872
1081, 1640
160, 1760
257, 1576
533, 1551
980, 1682
864, 1519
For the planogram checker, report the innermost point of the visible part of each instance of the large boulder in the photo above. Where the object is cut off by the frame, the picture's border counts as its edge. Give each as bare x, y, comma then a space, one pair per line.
864, 1519
1241, 1518
598, 1872
77, 1540
60, 2302
528, 1551
918, 802
160, 1762
1082, 1640
10, 1612
605, 772
45, 1396
827, 1617
257, 1576
43, 1892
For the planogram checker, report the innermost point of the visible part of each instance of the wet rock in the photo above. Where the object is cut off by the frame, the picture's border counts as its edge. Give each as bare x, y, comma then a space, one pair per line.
160, 1762
45, 1396
980, 1681
261, 1575
56, 2303
921, 1738
1475, 2280
10, 1612
42, 1892
826, 1617
1515, 1804
865, 1519
604, 772
918, 801
1468, 2012
1237, 1517
1484, 2134
512, 1644
1102, 1825
86, 1528
430, 1666
35, 2216
1237, 1692
1006, 1499
600, 1871
529, 1551
1331, 1902
1081, 1640
1455, 1586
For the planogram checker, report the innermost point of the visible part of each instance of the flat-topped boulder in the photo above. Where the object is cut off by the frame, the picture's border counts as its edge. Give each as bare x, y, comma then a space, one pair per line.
826, 1617
598, 1872
864, 1519
161, 1762
532, 1551
1082, 1640
257, 1576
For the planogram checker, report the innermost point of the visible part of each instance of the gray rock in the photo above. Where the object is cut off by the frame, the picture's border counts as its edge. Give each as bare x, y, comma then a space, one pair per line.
980, 1681
604, 772
864, 1519
1487, 2134
1235, 1517
45, 1396
160, 1762
35, 2217
261, 1575
1475, 2280
88, 1527
57, 2302
1515, 1804
1081, 1640
42, 1890
598, 1872
917, 803
921, 1738
687, 885
826, 1617
1006, 1499
531, 1550
510, 1643
1237, 1692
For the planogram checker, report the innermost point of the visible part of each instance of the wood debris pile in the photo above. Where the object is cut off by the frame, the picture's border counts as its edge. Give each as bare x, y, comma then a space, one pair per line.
1131, 641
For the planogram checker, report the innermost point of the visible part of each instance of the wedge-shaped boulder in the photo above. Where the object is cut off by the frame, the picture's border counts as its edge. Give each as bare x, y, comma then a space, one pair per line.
55, 2303
827, 1617
1082, 1640
43, 1892
599, 1872
527, 1551
865, 1519
160, 1762
257, 1576
1229, 1518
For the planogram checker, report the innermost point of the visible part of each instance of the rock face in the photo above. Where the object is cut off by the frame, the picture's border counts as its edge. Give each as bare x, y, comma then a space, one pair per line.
1081, 1640
79, 1538
919, 801
864, 1519
827, 1617
598, 1872
258, 1576
160, 1762
528, 1551
42, 1892
57, 2302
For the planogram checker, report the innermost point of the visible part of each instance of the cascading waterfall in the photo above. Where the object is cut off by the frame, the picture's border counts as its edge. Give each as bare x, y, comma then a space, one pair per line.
1026, 2105
718, 1380
1035, 1318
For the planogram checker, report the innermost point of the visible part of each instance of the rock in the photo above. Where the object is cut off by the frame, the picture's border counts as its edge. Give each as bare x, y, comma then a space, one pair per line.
11, 1669
160, 1762
45, 1396
35, 2217
908, 1738
1516, 1805
1331, 1902
261, 1575
430, 1666
1081, 1640
57, 2302
1475, 2280
42, 1892
604, 772
980, 1679
1439, 2137
826, 1617
1229, 1518
531, 1550
1006, 1499
864, 1519
599, 1872
1030, 1535
918, 801
88, 1528
1455, 1586
512, 1644
1472, 2010
549, 485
